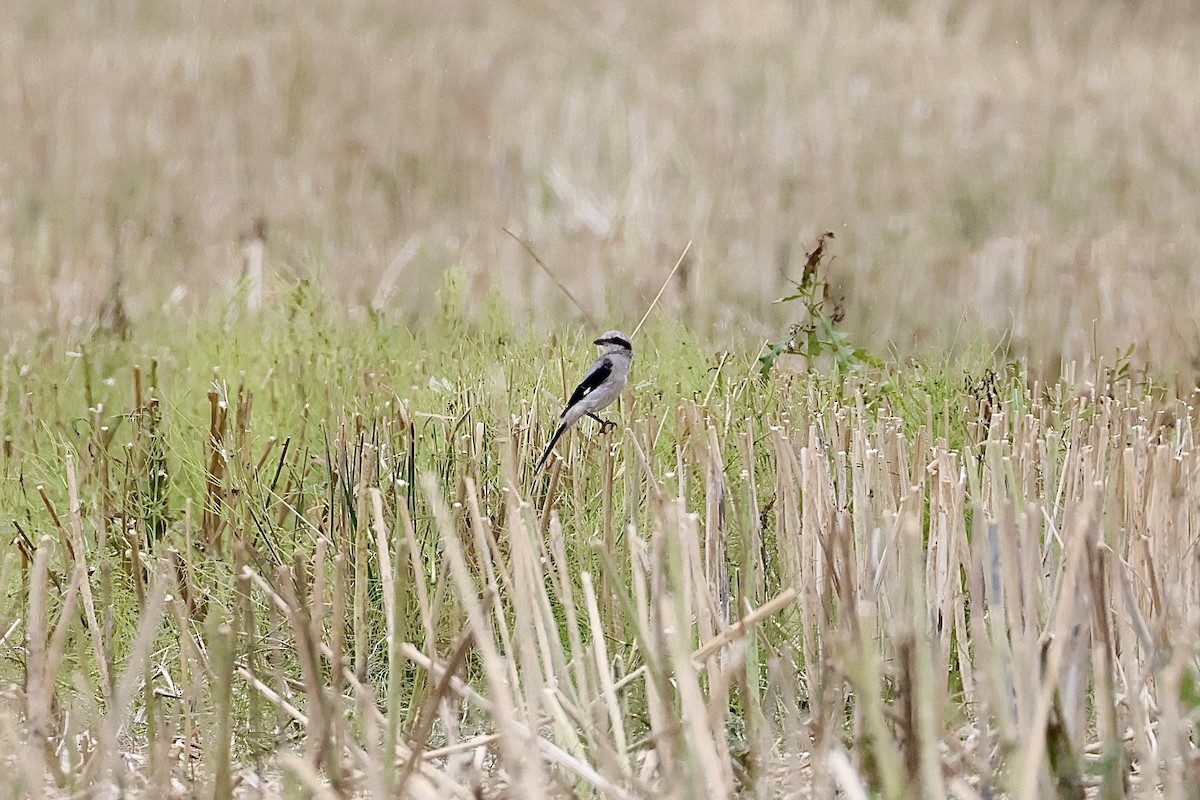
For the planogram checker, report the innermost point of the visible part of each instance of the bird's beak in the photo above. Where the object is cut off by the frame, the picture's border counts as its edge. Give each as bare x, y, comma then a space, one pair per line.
600, 341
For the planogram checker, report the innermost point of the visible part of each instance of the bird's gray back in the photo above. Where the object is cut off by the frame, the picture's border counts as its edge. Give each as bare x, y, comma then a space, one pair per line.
617, 366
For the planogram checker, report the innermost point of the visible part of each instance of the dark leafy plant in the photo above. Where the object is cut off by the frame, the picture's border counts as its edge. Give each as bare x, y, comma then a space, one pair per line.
816, 332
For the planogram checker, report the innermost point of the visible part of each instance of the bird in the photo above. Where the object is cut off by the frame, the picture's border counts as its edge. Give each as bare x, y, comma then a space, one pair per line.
602, 384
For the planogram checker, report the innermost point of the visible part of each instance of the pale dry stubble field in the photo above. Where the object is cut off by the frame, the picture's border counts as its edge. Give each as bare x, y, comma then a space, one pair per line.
291, 545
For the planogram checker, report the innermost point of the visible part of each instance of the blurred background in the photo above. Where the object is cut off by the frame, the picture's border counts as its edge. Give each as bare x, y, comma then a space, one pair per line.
1027, 172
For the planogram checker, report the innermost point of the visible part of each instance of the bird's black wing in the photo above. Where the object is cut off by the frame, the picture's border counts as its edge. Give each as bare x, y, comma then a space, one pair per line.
597, 376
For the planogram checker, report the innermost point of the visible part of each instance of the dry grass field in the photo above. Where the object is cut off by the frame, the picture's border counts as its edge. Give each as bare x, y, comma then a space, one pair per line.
1027, 169
274, 377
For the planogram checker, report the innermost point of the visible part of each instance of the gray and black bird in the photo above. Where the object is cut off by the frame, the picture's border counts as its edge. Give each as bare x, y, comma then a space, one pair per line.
604, 382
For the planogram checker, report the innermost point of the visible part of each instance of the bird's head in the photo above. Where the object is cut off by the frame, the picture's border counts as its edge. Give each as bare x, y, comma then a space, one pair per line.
614, 342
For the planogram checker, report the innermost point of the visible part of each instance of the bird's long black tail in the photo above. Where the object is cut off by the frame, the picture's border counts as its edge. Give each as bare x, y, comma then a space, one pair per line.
550, 448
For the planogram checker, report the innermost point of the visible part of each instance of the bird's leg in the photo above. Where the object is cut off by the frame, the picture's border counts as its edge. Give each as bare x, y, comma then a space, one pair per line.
606, 426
